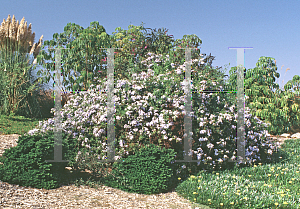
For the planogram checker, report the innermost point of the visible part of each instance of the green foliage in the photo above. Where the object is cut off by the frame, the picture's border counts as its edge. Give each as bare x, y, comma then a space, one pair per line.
149, 171
83, 53
131, 42
278, 108
159, 90
25, 164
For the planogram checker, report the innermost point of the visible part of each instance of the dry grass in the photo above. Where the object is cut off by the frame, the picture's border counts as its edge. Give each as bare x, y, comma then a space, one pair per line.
284, 74
15, 32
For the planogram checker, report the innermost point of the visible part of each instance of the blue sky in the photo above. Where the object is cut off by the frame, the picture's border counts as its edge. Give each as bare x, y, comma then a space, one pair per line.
270, 27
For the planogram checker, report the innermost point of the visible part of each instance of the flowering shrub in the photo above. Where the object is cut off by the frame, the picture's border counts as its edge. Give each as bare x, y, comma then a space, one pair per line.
145, 119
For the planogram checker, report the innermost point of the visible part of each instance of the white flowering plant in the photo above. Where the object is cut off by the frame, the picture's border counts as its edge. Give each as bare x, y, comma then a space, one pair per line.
150, 109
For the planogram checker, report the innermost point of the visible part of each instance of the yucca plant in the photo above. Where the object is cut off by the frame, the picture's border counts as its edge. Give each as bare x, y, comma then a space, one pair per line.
16, 90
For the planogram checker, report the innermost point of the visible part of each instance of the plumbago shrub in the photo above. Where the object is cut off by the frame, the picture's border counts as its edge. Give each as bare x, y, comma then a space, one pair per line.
150, 110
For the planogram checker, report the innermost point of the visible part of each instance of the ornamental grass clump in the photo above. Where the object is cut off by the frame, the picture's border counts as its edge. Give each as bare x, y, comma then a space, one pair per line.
18, 94
148, 107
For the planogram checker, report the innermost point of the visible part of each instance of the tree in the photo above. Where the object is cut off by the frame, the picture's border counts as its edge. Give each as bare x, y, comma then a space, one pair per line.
278, 108
84, 51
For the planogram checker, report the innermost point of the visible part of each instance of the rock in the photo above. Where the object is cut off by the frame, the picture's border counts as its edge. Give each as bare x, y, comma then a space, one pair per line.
297, 135
285, 135
64, 97
279, 140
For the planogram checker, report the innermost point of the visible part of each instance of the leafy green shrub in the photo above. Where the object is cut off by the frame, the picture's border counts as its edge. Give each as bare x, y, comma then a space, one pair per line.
148, 171
25, 163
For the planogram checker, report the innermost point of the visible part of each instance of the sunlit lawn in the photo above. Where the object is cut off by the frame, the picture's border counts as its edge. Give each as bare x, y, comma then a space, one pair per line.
17, 124
260, 186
